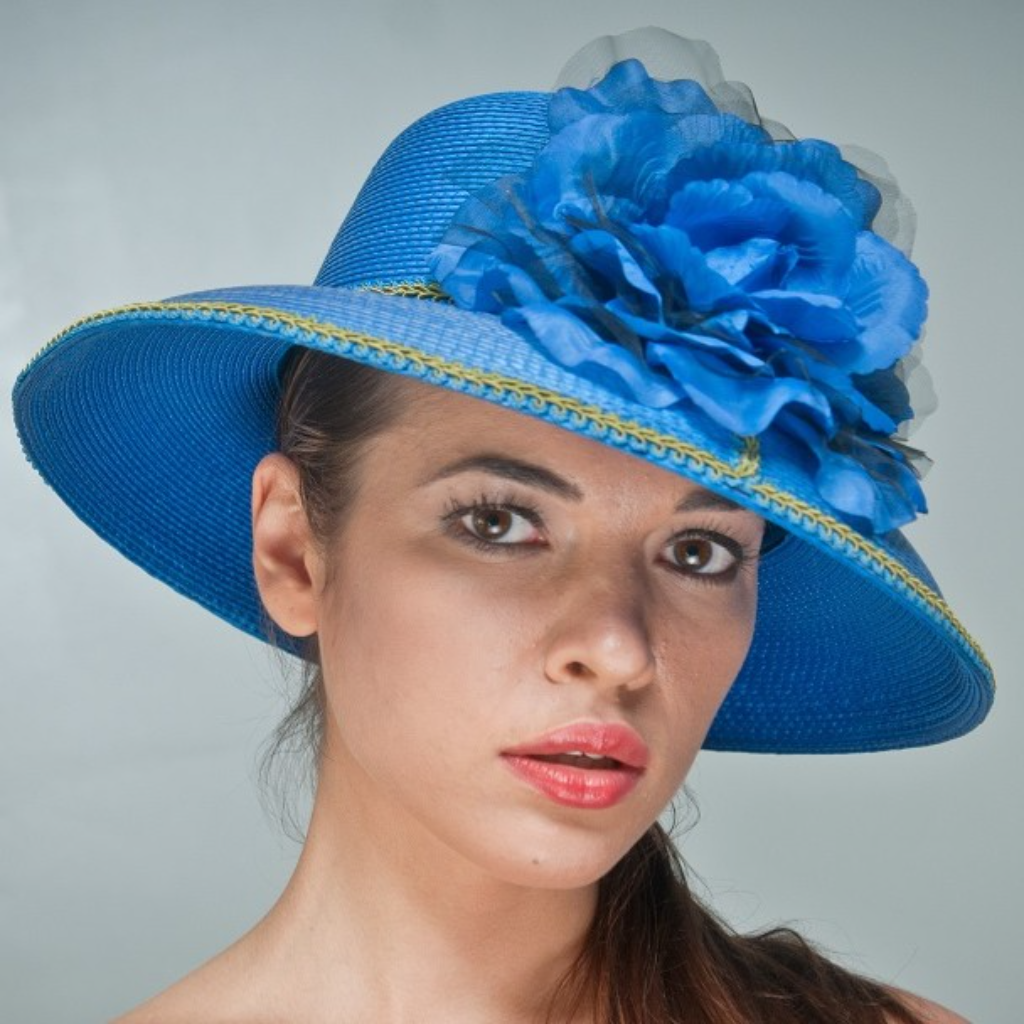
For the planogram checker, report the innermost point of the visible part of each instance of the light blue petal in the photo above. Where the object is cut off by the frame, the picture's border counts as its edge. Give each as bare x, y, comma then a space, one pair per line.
568, 341
890, 299
627, 85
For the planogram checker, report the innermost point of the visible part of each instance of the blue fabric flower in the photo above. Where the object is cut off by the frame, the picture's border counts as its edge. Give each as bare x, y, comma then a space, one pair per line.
677, 254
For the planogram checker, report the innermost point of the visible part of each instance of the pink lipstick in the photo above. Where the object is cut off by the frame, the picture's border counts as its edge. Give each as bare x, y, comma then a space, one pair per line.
586, 764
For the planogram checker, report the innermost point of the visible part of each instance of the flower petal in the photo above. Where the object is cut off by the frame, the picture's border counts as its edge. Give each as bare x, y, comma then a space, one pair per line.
808, 315
628, 85
890, 299
741, 403
571, 343
672, 252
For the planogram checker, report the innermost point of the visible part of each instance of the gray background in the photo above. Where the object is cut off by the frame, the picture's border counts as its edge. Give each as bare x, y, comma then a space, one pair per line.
147, 149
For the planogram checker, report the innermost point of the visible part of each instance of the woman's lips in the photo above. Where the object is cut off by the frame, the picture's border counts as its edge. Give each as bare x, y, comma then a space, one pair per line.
556, 763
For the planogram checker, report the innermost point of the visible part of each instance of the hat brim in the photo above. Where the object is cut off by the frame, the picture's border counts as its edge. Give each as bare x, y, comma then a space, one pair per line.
149, 420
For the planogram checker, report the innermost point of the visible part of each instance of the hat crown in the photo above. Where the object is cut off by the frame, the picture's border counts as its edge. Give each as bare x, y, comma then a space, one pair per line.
423, 177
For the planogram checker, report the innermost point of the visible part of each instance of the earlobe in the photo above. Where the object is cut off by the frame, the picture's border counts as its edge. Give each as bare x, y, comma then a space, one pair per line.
286, 562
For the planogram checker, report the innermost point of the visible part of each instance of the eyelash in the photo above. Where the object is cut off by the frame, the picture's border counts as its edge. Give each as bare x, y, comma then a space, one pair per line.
486, 503
743, 556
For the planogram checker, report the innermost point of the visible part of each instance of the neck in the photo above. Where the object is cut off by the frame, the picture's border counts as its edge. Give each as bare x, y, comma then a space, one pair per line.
383, 921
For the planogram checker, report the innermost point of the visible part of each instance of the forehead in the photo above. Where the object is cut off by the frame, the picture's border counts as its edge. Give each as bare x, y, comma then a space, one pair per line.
438, 427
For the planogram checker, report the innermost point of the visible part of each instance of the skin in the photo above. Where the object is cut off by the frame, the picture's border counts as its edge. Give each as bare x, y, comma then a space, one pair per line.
434, 884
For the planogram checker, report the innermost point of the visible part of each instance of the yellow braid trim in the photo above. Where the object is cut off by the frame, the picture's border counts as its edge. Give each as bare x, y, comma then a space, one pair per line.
618, 428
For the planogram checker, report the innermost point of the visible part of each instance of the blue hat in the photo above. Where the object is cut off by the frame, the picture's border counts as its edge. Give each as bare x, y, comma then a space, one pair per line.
644, 262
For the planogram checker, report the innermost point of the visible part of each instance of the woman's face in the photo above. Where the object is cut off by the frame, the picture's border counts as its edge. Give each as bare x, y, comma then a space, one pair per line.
504, 585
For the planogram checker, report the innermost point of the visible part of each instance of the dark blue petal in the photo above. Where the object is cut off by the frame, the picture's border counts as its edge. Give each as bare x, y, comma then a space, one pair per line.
821, 162
884, 390
741, 403
607, 256
809, 160
688, 285
715, 342
877, 489
810, 316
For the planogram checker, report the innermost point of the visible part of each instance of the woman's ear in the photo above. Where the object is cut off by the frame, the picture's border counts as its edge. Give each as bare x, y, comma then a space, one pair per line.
286, 562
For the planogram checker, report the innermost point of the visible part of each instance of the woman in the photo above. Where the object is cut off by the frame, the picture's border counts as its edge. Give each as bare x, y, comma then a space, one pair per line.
583, 452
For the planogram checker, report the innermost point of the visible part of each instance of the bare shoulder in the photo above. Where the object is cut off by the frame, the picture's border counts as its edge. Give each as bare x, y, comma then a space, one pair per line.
188, 999
928, 1011
221, 989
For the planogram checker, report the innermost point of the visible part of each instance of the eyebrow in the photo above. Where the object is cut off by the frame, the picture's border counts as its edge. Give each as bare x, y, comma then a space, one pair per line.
544, 479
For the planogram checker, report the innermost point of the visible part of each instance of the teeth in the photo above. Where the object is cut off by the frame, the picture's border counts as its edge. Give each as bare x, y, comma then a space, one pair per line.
580, 759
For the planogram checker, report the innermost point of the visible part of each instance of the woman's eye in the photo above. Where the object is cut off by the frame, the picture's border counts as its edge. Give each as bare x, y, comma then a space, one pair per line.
499, 525
703, 555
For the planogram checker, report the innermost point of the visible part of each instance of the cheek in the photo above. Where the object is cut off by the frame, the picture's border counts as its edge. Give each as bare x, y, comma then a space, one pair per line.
410, 652
723, 645
701, 658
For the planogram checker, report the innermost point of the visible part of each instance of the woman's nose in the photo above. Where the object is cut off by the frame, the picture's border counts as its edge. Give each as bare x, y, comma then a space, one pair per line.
600, 635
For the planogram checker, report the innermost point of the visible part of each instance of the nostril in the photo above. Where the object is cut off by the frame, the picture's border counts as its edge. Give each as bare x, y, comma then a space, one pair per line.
607, 649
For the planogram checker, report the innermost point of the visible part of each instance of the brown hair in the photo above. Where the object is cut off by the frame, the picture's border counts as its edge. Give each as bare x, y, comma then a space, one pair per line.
653, 953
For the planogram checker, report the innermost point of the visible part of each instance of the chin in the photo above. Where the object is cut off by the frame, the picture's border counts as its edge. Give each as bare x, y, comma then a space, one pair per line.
559, 857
